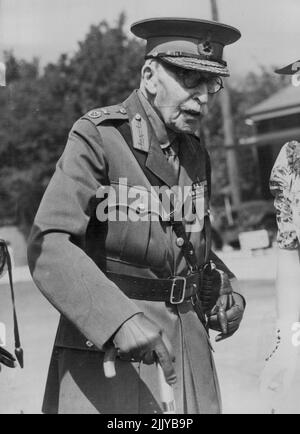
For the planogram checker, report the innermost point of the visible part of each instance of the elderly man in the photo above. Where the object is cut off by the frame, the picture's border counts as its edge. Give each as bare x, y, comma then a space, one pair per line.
136, 282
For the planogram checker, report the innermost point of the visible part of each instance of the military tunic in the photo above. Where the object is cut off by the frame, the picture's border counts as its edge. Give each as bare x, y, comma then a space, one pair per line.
70, 252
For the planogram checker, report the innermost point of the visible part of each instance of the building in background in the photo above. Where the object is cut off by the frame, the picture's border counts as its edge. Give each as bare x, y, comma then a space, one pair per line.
274, 122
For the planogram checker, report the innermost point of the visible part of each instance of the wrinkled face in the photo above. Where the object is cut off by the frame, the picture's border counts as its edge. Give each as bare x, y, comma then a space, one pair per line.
181, 97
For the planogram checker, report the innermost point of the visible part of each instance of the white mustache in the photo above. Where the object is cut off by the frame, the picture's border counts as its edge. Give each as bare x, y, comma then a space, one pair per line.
191, 109
183, 108
198, 111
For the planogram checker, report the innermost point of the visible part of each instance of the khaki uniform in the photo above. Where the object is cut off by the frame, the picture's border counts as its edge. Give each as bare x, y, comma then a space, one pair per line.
70, 251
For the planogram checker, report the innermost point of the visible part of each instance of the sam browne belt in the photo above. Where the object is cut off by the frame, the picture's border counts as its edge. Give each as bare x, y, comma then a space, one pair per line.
174, 290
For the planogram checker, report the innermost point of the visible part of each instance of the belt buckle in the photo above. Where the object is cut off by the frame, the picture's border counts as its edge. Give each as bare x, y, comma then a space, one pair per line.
173, 298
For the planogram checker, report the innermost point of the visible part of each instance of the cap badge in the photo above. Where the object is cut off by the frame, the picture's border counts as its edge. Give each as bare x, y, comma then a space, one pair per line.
94, 114
205, 48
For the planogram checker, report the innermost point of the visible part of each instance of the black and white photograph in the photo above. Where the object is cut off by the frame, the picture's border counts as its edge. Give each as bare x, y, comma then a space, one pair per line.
149, 209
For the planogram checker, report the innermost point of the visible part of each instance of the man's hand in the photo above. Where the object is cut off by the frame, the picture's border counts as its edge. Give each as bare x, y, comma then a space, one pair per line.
215, 285
223, 307
226, 318
140, 339
227, 313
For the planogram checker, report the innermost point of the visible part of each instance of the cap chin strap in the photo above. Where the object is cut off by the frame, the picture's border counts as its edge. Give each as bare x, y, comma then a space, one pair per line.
183, 54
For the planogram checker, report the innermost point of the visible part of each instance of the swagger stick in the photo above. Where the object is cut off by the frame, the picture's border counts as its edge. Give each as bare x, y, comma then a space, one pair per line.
166, 392
109, 362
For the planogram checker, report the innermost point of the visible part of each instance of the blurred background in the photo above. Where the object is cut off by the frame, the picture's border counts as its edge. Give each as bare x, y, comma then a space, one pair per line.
65, 57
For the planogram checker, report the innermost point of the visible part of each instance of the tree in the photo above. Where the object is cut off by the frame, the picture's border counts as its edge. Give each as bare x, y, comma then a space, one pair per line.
37, 111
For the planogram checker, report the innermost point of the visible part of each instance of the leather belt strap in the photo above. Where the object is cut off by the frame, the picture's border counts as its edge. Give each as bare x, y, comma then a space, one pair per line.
174, 290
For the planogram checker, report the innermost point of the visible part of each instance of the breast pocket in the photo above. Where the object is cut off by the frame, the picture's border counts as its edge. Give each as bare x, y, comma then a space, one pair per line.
128, 223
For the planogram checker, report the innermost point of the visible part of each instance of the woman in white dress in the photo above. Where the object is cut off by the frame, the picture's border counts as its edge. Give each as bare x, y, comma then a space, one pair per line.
281, 364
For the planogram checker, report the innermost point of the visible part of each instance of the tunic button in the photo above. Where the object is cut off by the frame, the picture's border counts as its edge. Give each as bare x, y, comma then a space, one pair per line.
138, 117
180, 242
123, 111
140, 208
89, 344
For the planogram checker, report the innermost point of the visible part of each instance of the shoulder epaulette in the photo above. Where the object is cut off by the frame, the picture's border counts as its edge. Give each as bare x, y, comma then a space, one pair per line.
100, 115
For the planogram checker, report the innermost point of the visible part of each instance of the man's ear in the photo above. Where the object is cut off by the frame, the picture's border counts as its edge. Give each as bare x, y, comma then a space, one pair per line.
149, 78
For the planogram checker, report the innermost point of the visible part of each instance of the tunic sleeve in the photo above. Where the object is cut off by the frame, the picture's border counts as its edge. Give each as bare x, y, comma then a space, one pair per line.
61, 269
281, 185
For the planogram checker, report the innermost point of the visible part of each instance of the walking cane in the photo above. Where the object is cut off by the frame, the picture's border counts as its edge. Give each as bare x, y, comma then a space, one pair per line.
166, 392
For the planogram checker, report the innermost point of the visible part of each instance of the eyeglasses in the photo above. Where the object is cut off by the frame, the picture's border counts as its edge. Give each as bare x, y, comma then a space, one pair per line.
192, 79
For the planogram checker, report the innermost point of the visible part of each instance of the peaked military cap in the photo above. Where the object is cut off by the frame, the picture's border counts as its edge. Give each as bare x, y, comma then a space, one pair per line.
291, 69
187, 43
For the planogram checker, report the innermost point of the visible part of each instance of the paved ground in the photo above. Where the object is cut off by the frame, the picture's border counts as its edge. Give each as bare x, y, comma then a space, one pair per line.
239, 359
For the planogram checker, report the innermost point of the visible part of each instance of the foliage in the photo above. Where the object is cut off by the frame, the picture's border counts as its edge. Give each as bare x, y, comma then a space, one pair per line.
37, 111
